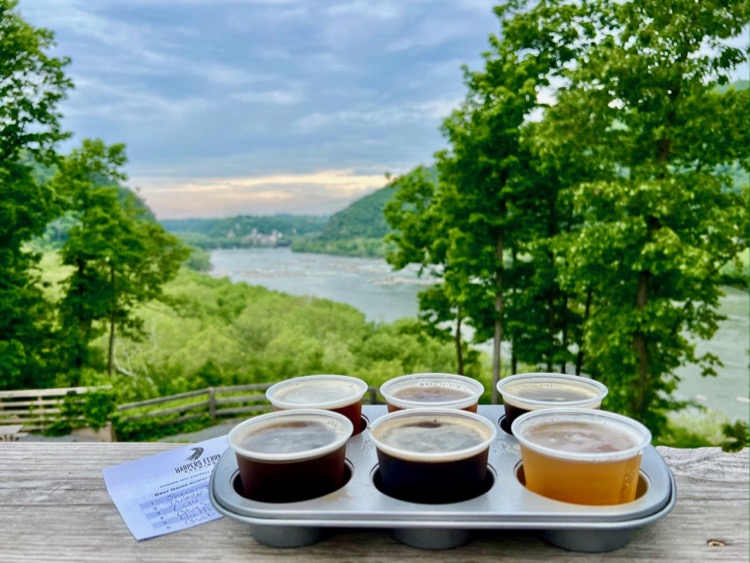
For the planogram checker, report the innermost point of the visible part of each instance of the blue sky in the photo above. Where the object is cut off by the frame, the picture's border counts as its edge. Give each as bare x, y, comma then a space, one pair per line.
264, 106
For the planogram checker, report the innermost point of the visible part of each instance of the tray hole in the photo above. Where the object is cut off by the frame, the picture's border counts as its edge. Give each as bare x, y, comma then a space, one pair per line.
640, 490
237, 485
364, 422
504, 424
489, 481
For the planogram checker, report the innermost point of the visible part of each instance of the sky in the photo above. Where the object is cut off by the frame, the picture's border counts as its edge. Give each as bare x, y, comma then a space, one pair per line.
259, 107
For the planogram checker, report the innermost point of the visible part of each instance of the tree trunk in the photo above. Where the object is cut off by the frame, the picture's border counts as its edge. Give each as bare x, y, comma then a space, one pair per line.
564, 344
112, 316
498, 338
586, 313
641, 348
459, 347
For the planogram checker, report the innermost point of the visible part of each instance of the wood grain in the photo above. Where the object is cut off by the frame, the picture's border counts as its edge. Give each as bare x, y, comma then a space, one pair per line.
54, 507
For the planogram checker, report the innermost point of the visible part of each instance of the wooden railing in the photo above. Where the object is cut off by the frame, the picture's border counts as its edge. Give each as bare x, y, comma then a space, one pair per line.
216, 402
39, 409
35, 409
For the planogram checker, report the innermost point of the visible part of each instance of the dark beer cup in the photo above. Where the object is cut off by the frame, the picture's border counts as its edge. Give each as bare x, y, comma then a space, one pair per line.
535, 391
432, 390
432, 456
337, 393
289, 456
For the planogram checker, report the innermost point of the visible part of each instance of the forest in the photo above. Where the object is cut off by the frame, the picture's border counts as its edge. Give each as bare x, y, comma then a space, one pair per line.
590, 233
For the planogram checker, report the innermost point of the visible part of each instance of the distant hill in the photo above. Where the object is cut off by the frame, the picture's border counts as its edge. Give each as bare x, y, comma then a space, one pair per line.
357, 230
363, 218
245, 230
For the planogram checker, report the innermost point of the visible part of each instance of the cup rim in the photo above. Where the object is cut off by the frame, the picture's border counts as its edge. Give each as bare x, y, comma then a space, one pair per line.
271, 418
475, 386
638, 431
535, 404
432, 457
356, 395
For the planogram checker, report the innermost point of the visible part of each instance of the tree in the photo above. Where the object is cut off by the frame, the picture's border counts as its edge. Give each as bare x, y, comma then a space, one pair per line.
639, 103
121, 257
31, 85
419, 238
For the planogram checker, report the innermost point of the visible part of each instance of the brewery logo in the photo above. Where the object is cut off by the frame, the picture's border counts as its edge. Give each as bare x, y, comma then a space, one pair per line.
197, 453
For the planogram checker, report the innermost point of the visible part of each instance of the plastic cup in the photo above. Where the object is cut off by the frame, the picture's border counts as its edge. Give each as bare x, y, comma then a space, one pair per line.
534, 391
432, 456
432, 390
337, 393
581, 456
288, 456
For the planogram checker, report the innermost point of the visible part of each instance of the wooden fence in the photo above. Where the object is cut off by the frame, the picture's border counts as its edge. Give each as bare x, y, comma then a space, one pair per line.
36, 409
214, 402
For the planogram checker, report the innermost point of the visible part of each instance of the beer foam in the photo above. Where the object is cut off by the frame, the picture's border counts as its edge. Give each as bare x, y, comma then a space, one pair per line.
417, 390
534, 391
313, 393
426, 436
317, 391
290, 435
582, 437
431, 393
581, 434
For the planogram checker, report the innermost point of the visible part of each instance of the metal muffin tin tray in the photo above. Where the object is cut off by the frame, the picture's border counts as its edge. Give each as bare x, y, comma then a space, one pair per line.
507, 504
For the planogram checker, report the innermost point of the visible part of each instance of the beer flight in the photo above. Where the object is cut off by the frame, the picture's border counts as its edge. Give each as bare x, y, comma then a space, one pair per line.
432, 446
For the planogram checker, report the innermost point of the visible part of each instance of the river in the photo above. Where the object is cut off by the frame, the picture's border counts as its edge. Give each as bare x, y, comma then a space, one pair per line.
383, 295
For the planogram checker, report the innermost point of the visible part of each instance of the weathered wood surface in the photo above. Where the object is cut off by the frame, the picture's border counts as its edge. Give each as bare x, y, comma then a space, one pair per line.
54, 507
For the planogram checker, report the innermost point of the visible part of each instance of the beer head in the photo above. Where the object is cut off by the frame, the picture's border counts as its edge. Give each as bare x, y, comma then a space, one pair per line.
326, 392
439, 390
288, 436
432, 435
534, 391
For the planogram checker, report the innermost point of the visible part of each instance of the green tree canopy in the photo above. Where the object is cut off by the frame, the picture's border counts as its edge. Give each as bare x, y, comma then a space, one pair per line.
121, 258
31, 84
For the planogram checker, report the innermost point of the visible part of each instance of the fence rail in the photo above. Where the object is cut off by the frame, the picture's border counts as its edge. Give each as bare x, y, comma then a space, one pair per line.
214, 402
36, 409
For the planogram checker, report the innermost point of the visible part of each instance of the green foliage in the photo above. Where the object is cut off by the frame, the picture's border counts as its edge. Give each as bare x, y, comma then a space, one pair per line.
152, 428
357, 230
199, 260
217, 332
244, 230
366, 247
361, 219
700, 428
33, 82
120, 257
94, 409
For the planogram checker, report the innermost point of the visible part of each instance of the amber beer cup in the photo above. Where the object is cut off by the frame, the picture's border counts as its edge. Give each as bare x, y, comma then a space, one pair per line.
337, 393
432, 456
289, 456
581, 456
438, 390
535, 391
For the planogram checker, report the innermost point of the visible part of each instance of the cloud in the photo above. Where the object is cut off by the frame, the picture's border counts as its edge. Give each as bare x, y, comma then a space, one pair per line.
273, 97
432, 110
231, 106
320, 192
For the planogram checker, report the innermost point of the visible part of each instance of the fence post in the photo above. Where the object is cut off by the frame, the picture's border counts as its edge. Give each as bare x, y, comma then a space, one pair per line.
212, 403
